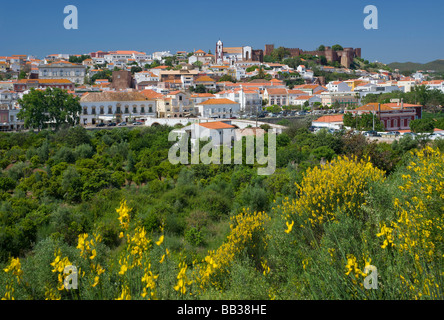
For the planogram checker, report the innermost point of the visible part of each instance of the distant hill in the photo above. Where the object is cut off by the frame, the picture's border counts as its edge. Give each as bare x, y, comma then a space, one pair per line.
437, 65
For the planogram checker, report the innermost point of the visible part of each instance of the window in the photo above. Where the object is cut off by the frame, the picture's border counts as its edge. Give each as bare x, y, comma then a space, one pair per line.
110, 110
126, 109
134, 109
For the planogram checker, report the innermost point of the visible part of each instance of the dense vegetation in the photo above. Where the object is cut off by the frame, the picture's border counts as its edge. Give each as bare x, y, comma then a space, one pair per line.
136, 226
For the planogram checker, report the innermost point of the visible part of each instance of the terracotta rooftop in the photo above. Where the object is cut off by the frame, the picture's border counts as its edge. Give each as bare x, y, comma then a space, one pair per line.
216, 125
218, 101
333, 118
113, 96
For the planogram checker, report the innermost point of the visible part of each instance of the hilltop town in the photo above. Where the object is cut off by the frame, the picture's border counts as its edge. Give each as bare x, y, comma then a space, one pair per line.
124, 87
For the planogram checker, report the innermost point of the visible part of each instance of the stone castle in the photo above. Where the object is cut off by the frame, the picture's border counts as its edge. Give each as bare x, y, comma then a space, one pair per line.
344, 57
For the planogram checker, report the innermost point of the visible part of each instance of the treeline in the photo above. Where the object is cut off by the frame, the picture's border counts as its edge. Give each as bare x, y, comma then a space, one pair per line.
57, 186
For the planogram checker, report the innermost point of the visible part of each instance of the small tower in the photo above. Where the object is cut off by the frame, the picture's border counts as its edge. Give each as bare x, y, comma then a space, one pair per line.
219, 52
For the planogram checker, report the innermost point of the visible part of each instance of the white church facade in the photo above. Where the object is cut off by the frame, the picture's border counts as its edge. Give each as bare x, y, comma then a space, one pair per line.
231, 55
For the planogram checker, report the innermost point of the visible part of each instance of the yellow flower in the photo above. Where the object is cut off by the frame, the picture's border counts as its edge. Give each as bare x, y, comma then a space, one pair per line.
96, 281
289, 226
123, 269
159, 242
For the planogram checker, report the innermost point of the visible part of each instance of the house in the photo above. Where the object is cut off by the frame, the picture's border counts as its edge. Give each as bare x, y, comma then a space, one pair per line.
393, 116
340, 99
221, 108
293, 95
302, 100
145, 76
125, 55
309, 88
108, 106
3, 66
249, 99
201, 56
63, 70
220, 133
206, 81
175, 104
338, 86
4, 118
329, 122
27, 84
407, 84
276, 96
201, 97
435, 84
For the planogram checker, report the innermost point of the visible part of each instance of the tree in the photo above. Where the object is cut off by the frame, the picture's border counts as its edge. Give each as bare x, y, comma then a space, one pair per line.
198, 64
422, 125
51, 105
75, 59
200, 88
337, 47
135, 69
251, 68
22, 75
105, 74
321, 48
349, 120
227, 77
280, 53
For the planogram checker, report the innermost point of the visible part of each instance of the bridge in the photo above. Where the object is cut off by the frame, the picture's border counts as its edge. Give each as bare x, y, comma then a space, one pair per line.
239, 123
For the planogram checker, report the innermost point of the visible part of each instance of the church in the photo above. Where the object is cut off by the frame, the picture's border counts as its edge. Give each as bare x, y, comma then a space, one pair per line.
231, 55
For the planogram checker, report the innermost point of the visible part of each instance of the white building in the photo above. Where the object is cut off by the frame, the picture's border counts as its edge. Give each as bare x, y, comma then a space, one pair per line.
63, 70
125, 55
232, 54
160, 55
116, 106
338, 86
329, 122
221, 108
249, 100
145, 76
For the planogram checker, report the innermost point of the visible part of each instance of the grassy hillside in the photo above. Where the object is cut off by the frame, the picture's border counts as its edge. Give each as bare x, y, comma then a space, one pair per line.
437, 65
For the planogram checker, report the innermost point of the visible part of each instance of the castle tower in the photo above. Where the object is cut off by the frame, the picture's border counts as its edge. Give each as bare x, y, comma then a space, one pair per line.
219, 52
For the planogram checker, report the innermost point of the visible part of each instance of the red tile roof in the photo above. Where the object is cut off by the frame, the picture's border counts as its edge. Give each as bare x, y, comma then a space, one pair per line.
333, 118
216, 125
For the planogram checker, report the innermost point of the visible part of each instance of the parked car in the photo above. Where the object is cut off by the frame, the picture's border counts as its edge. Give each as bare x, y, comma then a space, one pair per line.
112, 124
372, 133
101, 124
122, 124
137, 123
435, 136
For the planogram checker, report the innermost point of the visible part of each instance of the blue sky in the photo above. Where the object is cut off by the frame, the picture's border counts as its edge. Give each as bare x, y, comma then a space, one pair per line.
408, 30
